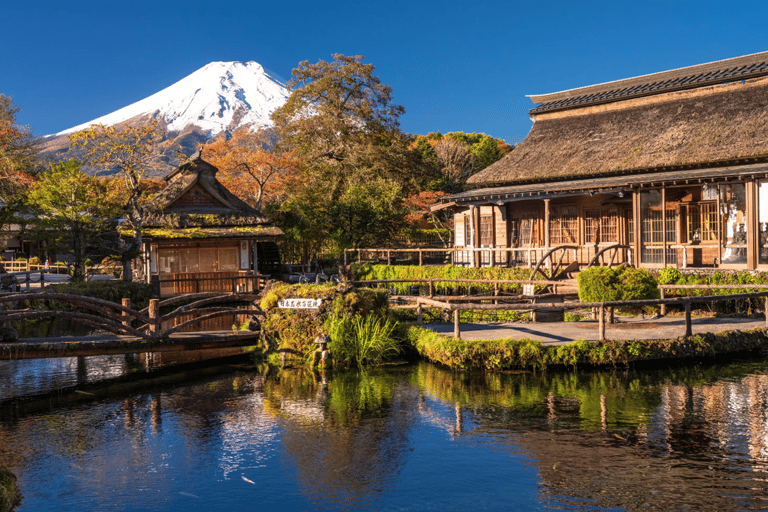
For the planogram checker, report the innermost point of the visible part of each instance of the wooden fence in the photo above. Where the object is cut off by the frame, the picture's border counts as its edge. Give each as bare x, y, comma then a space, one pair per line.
122, 318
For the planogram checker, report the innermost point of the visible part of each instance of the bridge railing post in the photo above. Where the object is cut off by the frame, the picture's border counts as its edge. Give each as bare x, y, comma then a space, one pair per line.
154, 317
125, 317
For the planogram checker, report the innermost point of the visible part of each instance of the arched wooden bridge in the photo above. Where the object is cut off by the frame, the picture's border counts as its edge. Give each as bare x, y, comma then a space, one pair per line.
133, 330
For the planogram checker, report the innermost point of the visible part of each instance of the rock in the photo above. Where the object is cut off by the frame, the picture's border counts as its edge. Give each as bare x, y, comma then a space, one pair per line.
344, 287
254, 324
8, 334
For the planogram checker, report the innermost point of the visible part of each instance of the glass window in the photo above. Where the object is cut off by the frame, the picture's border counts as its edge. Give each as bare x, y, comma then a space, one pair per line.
651, 229
486, 230
564, 225
228, 259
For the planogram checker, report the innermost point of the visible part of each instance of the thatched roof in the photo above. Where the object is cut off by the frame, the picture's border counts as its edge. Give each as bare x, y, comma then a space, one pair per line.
703, 127
196, 203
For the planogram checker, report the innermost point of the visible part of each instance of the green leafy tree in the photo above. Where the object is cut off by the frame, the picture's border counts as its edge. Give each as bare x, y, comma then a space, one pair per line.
130, 150
343, 128
72, 215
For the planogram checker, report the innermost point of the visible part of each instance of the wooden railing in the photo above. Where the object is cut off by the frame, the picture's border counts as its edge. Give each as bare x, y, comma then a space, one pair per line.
686, 302
120, 318
230, 282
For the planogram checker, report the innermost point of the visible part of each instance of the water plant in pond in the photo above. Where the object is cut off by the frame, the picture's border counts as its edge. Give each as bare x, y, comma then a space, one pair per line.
362, 339
10, 496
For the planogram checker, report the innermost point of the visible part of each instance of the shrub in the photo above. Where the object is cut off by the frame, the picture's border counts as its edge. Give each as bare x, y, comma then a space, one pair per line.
603, 284
669, 275
34, 260
9, 492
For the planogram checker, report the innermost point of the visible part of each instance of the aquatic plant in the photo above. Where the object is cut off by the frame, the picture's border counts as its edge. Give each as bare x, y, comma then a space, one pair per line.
10, 496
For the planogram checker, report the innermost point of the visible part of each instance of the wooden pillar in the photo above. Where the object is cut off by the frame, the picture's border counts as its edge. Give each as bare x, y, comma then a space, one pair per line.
456, 324
546, 224
476, 235
719, 229
126, 319
688, 329
42, 280
636, 207
154, 317
601, 324
389, 257
255, 248
421, 258
753, 232
766, 312
664, 225
663, 306
28, 280
431, 288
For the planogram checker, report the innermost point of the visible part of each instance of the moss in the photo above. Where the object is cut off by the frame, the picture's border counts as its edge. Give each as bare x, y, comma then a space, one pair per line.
526, 354
10, 496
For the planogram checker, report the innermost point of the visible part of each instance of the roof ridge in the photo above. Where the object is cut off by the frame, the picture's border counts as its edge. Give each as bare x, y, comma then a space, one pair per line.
700, 75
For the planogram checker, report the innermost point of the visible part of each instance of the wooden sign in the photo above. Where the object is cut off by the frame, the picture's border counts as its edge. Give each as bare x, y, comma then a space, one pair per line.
299, 303
528, 289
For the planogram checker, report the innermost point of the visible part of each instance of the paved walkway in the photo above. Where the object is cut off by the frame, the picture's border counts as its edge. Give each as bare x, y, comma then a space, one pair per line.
557, 333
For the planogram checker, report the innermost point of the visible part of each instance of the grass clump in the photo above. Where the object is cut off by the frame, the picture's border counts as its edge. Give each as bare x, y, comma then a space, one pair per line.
10, 496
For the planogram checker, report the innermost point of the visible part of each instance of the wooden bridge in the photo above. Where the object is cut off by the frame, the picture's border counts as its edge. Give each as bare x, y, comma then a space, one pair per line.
131, 330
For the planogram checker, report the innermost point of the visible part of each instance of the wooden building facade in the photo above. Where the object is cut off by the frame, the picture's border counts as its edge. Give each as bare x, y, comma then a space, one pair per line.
199, 237
671, 166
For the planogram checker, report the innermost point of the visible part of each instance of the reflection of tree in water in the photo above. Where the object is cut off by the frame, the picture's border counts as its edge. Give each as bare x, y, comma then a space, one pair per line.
348, 430
683, 439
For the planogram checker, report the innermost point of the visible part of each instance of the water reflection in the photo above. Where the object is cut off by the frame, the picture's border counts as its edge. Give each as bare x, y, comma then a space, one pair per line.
414, 437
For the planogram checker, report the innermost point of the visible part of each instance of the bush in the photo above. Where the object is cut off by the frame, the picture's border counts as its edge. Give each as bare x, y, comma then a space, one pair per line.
604, 284
34, 260
669, 275
9, 492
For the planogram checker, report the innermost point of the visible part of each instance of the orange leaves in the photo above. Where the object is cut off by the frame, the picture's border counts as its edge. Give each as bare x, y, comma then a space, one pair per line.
249, 168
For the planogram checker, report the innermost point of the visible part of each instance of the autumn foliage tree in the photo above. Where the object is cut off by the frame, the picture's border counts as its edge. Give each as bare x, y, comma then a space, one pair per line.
129, 150
250, 167
17, 159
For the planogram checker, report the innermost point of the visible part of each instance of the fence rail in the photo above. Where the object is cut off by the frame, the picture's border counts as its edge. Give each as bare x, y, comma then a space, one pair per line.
456, 308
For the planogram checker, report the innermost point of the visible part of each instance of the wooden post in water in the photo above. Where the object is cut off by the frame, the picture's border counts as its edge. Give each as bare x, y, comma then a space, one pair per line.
456, 324
688, 330
126, 320
154, 317
601, 324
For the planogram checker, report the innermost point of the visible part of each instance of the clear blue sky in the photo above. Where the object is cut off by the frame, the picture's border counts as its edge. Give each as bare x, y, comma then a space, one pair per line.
453, 65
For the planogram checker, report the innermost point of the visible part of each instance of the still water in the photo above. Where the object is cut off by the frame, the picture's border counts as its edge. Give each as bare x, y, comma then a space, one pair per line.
237, 437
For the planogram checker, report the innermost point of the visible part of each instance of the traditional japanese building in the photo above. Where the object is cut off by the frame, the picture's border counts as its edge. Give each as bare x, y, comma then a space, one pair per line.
198, 236
672, 166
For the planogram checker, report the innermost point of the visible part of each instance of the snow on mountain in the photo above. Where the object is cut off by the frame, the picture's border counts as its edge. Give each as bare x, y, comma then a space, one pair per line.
219, 96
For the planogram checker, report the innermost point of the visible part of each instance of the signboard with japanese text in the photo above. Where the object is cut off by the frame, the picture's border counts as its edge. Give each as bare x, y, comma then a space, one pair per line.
299, 303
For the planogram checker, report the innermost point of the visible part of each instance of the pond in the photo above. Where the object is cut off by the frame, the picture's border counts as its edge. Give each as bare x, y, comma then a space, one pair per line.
412, 437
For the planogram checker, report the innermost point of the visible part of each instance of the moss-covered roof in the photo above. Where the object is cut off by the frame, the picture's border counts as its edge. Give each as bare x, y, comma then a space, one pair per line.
267, 232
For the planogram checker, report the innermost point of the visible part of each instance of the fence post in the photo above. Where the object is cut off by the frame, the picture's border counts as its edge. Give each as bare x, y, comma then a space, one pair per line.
42, 280
766, 312
688, 330
421, 258
389, 257
601, 324
432, 289
495, 292
234, 286
456, 324
126, 319
345, 257
154, 316
663, 310
26, 287
419, 318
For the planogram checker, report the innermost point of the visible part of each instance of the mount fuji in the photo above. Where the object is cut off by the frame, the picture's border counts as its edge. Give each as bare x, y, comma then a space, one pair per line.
217, 98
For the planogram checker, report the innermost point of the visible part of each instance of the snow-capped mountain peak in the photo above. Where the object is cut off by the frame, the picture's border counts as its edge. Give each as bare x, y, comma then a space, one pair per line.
219, 96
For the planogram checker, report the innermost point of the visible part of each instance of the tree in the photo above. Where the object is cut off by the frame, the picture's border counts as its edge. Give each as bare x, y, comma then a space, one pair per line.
456, 162
72, 215
18, 149
342, 126
249, 167
129, 150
